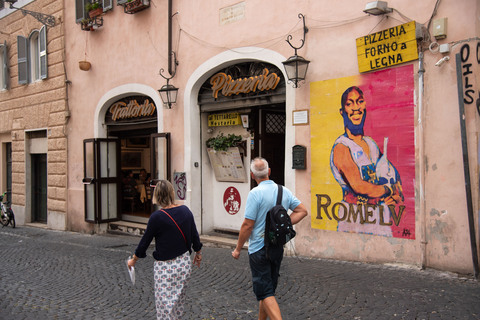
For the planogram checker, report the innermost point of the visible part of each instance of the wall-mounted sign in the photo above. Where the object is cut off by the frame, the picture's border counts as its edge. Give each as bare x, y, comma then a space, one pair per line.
300, 117
180, 185
227, 86
137, 107
387, 48
224, 119
227, 165
232, 13
232, 200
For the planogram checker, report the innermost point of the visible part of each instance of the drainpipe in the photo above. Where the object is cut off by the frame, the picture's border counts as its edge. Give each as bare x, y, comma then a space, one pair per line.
421, 164
170, 53
466, 166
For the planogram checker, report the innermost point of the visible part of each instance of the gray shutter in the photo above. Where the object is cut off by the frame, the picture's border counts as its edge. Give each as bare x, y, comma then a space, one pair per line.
80, 11
6, 76
42, 38
22, 43
107, 5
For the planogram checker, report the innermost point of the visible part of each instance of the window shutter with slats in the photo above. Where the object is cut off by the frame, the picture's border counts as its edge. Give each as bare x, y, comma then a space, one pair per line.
22, 60
43, 52
107, 5
80, 11
6, 76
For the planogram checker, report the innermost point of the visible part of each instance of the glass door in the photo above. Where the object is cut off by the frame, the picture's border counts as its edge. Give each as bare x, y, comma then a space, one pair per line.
159, 159
160, 156
101, 179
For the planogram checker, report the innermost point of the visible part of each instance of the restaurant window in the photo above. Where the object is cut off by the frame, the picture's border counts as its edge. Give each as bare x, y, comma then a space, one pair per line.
4, 77
32, 56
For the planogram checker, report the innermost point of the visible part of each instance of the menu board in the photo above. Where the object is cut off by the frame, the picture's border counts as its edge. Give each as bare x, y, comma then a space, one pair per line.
227, 165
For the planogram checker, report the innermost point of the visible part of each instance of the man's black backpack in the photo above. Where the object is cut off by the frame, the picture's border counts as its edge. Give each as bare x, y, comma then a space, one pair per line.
278, 226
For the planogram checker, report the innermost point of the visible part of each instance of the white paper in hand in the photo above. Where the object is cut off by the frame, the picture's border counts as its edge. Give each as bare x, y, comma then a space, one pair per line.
131, 272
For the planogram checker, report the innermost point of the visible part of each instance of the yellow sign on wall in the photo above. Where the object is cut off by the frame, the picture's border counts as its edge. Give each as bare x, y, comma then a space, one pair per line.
224, 119
387, 48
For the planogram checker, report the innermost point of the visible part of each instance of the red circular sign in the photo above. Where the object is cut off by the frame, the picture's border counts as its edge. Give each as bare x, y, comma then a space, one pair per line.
231, 200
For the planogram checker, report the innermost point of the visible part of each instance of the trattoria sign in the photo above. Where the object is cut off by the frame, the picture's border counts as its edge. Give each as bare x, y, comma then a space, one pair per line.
387, 48
131, 108
224, 84
224, 119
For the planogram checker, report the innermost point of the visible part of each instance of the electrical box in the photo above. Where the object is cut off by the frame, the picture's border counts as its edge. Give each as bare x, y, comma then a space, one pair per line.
444, 48
440, 28
299, 155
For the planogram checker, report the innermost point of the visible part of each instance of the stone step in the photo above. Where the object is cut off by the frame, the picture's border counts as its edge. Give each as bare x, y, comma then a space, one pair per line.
127, 228
214, 239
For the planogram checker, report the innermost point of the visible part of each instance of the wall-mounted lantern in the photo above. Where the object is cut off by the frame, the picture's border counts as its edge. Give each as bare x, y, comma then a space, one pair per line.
296, 66
168, 93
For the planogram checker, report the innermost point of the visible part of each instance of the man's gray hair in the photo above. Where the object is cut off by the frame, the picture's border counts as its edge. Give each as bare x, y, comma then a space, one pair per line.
259, 168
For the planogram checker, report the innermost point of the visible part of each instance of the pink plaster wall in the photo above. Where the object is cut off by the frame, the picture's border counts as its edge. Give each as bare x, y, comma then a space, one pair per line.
132, 49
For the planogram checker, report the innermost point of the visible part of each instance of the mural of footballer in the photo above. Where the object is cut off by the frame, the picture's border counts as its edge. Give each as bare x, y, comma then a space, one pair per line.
364, 174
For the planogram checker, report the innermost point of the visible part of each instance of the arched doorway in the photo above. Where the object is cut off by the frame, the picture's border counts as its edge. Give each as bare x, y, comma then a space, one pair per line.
199, 196
127, 152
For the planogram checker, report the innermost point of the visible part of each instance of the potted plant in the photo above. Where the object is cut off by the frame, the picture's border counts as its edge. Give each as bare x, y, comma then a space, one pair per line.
86, 24
222, 142
84, 65
134, 6
94, 9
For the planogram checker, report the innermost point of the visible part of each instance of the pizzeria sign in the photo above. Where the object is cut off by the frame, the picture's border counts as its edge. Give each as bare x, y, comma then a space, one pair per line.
387, 48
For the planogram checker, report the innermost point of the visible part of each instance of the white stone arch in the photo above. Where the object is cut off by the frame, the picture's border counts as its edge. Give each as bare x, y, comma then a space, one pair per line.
130, 89
193, 149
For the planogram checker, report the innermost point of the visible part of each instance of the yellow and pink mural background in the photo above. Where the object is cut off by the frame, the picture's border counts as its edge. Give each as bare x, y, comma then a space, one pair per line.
389, 97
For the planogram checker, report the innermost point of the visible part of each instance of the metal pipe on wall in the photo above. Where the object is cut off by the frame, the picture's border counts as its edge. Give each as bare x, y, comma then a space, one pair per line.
170, 53
466, 166
421, 161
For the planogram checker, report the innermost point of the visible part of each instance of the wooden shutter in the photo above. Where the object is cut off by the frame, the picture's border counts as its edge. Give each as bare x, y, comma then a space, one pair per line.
42, 38
107, 5
80, 11
6, 77
22, 45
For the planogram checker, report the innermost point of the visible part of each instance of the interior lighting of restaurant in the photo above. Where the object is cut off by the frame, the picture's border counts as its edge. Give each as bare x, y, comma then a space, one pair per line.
43, 18
296, 66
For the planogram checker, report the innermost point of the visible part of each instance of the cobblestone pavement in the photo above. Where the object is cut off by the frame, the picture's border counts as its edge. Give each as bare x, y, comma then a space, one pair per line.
47, 274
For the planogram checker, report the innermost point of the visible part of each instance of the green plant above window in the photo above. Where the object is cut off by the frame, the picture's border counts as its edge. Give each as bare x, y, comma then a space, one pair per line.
222, 142
92, 6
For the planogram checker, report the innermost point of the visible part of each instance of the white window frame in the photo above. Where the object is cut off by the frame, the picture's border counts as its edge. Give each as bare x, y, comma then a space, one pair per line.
81, 12
32, 56
4, 74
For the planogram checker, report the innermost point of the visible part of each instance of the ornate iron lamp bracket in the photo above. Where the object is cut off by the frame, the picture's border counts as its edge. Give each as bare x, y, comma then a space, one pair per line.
305, 30
175, 64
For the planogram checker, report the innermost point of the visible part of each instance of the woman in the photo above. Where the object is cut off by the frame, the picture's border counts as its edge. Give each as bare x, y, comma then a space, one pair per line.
175, 233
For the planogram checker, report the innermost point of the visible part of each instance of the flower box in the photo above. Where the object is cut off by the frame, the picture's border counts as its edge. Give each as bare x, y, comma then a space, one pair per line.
95, 12
87, 25
135, 6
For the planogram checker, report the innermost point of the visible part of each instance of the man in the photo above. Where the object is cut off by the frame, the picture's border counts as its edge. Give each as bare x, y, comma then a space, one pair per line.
265, 271
354, 162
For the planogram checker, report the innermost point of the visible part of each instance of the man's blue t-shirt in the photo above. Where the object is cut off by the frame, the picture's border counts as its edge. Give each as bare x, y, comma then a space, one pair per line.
261, 199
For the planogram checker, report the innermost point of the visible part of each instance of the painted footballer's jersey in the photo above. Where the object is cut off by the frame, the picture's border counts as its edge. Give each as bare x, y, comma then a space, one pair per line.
365, 164
355, 202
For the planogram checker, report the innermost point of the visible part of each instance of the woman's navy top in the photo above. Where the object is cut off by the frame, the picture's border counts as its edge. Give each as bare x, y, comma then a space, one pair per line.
169, 242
